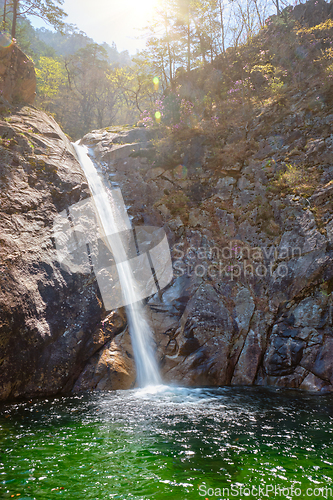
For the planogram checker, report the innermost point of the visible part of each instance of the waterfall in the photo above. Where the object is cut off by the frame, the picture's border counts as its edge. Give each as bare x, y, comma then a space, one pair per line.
110, 225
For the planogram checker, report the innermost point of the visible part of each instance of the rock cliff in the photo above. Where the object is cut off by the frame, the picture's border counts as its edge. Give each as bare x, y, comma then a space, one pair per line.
248, 211
50, 320
17, 74
251, 301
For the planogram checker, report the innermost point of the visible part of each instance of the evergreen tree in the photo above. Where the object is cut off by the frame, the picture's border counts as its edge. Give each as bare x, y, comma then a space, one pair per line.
48, 10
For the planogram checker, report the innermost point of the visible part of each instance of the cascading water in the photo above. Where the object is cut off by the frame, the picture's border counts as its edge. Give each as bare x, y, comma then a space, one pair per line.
140, 331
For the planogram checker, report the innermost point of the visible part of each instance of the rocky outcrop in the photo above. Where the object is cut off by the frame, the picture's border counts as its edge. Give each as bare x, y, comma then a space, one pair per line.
52, 321
251, 301
111, 368
313, 12
17, 75
247, 207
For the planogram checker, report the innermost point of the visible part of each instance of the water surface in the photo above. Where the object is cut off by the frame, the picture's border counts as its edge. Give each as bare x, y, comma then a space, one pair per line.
167, 443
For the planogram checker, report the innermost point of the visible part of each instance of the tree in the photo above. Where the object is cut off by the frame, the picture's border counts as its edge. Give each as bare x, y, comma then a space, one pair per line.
162, 43
86, 74
51, 75
93, 86
221, 9
136, 84
184, 18
48, 10
206, 18
185, 33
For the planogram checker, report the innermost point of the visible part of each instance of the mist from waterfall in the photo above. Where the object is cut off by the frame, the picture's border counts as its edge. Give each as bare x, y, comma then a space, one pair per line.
111, 225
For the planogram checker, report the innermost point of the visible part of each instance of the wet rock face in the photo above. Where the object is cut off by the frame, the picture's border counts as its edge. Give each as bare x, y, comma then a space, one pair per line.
203, 341
17, 76
111, 368
251, 300
50, 319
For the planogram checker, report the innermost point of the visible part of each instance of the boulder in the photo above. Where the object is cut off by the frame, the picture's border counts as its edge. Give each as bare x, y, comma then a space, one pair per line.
111, 368
17, 76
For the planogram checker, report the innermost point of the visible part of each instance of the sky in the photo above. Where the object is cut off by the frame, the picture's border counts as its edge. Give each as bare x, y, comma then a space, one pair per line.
110, 20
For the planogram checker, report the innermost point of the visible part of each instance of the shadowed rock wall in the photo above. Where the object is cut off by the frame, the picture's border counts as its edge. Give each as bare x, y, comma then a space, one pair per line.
50, 319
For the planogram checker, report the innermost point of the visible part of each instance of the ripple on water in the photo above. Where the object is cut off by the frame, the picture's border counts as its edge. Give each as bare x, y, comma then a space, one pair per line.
164, 442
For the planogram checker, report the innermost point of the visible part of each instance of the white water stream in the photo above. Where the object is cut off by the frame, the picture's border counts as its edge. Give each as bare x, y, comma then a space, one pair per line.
140, 331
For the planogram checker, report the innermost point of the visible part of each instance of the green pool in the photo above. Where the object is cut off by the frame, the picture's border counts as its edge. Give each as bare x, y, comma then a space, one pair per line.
168, 443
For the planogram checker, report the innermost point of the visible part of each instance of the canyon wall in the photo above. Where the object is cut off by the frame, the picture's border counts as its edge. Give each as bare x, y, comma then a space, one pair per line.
251, 300
50, 318
247, 208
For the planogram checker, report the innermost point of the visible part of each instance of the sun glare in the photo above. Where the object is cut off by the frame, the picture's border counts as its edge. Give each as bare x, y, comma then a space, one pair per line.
144, 10
131, 17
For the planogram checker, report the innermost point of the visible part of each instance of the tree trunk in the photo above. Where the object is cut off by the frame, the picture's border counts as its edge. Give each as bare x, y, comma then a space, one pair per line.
261, 22
15, 9
188, 46
222, 27
169, 51
201, 42
4, 15
277, 5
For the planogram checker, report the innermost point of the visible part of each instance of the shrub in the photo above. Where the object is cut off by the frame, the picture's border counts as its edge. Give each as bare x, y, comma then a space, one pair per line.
297, 180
